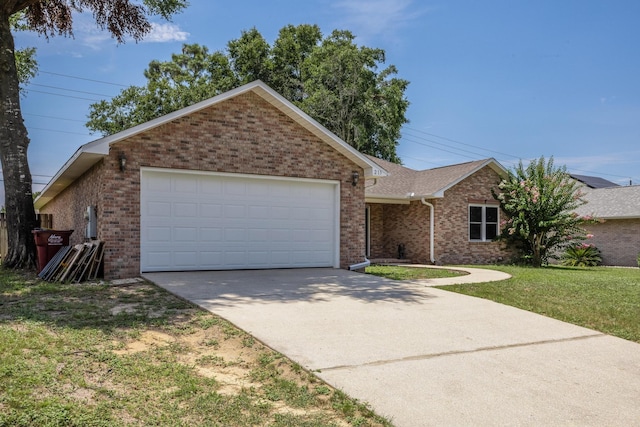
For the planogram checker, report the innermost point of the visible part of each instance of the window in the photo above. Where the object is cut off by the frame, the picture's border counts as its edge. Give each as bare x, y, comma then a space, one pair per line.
483, 223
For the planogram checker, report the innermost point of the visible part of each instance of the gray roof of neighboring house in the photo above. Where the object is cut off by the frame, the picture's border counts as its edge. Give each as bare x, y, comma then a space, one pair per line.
594, 181
406, 183
612, 203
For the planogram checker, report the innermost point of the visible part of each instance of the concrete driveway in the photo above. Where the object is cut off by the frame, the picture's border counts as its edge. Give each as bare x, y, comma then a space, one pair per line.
424, 356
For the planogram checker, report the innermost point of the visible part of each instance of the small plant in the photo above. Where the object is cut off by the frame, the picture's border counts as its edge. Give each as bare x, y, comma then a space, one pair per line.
638, 259
582, 255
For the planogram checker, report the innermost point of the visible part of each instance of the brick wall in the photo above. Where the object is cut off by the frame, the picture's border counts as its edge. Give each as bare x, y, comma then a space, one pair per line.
409, 224
376, 230
69, 207
244, 134
618, 241
452, 222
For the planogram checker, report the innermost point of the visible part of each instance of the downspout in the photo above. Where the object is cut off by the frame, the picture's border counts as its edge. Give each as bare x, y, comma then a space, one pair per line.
431, 237
366, 263
360, 265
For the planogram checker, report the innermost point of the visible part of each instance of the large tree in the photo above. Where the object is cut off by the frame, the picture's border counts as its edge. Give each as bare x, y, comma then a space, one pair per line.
121, 18
332, 79
540, 202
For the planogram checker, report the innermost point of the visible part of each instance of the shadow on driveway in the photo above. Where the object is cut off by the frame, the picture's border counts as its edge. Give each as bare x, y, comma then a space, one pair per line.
223, 288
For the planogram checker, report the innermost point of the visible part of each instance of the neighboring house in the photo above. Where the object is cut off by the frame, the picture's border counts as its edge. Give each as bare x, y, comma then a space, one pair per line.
242, 180
618, 235
445, 215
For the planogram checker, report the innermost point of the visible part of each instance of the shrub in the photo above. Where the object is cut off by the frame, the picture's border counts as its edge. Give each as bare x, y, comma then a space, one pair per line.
582, 255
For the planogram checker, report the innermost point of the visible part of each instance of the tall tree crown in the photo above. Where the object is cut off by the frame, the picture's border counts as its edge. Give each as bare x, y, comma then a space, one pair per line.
332, 79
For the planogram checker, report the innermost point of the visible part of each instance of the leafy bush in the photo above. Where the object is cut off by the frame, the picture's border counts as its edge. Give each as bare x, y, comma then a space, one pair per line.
539, 203
582, 255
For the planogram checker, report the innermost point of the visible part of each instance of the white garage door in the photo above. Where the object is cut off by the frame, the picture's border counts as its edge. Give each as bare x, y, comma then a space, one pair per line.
196, 221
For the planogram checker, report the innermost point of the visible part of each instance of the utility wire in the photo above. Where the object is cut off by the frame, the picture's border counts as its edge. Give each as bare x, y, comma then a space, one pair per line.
60, 131
460, 142
70, 90
485, 149
64, 96
81, 78
52, 117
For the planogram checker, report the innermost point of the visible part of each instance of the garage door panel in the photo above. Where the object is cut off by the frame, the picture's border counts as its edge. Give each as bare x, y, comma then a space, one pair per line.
198, 221
185, 185
185, 259
235, 211
210, 210
210, 235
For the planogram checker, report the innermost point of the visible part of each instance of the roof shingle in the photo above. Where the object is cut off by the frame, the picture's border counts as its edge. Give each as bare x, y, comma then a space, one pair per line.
612, 203
403, 182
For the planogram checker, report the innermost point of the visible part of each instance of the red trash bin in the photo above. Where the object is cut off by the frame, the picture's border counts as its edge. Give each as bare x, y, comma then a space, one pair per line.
48, 243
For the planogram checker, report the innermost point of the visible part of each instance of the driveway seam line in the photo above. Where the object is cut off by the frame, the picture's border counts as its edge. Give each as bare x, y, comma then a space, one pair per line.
458, 352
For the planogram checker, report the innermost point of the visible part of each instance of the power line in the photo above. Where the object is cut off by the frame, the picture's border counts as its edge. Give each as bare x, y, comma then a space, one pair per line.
64, 96
60, 131
81, 78
52, 117
485, 149
459, 142
70, 90
404, 138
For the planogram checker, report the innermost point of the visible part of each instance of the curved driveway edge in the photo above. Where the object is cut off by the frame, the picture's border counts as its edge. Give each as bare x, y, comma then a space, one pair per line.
424, 356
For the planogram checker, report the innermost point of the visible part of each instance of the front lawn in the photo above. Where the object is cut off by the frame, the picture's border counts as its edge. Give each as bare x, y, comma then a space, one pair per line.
606, 299
601, 298
133, 355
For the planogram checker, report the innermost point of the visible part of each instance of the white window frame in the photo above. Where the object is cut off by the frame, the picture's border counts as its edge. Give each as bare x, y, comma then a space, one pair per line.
483, 223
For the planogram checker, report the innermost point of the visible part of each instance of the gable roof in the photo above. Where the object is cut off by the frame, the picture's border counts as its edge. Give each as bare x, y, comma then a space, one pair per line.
409, 184
593, 181
612, 203
91, 153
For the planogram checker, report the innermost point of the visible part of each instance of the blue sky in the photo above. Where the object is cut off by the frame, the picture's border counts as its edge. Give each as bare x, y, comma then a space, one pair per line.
509, 79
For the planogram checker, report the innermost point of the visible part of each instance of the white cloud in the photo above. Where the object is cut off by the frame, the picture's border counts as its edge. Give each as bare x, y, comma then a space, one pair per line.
86, 30
369, 18
162, 33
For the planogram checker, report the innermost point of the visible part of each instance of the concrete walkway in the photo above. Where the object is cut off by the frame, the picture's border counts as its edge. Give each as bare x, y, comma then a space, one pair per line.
425, 356
474, 275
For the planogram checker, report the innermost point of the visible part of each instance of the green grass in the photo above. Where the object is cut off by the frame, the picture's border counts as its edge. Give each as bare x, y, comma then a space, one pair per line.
99, 355
601, 298
411, 273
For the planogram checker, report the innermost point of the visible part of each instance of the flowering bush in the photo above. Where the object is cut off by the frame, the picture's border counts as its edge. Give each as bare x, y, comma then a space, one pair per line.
582, 255
539, 202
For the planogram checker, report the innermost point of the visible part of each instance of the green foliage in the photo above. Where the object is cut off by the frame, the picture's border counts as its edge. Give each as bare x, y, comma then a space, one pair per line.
539, 202
332, 79
582, 255
25, 58
346, 94
638, 259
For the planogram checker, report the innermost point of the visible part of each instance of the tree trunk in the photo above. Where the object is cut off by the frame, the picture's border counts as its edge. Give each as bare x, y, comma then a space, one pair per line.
21, 219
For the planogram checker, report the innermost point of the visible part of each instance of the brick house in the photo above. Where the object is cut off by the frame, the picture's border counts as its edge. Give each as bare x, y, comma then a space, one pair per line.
618, 234
445, 215
242, 180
